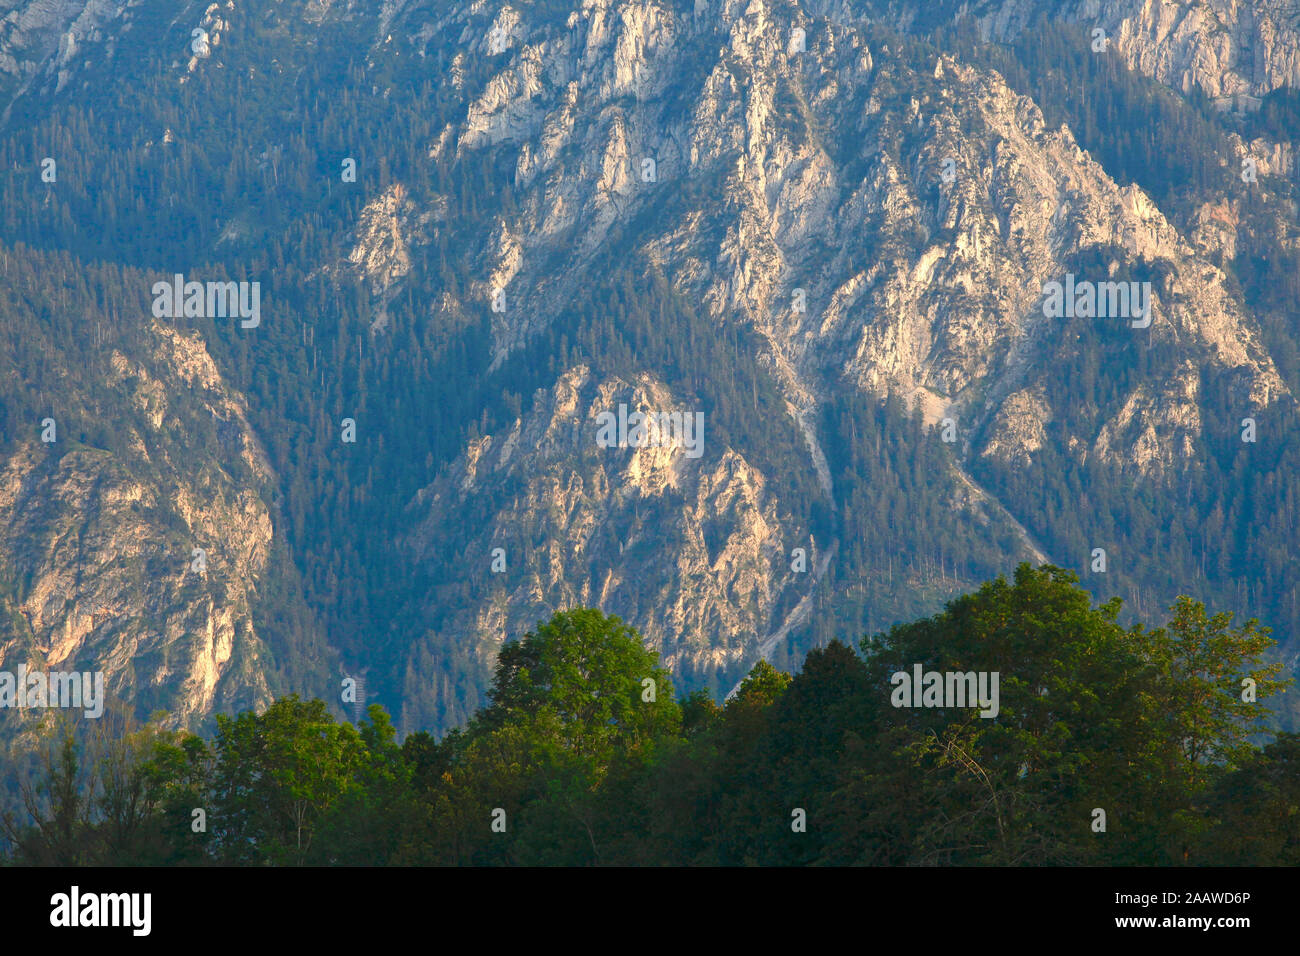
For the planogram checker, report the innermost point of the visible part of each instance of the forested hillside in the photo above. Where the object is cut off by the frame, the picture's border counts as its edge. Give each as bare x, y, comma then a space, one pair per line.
824, 227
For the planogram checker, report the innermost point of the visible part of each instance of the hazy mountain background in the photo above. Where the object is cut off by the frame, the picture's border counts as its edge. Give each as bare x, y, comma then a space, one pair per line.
827, 226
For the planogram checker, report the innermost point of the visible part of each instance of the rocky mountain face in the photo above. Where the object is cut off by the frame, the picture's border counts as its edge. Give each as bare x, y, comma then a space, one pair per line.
1223, 48
933, 284
136, 530
657, 527
887, 287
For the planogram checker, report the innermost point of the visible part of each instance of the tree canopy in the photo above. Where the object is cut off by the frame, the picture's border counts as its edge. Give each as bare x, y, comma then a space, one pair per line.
1108, 745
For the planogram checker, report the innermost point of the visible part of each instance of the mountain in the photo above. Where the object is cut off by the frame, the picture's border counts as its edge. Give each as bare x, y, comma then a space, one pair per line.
929, 289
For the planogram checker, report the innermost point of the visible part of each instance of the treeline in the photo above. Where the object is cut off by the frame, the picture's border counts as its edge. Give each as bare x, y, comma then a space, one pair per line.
262, 198
1110, 745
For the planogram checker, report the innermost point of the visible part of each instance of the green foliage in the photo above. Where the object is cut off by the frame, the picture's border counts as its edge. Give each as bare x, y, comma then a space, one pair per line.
112, 794
277, 775
1256, 810
585, 672
572, 763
